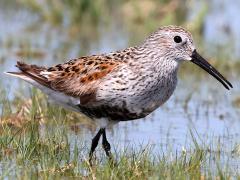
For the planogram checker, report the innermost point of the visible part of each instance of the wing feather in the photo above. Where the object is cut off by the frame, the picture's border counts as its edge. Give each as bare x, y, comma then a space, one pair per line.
80, 77
77, 78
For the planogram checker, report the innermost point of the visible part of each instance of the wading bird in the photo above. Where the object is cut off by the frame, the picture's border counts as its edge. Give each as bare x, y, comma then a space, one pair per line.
122, 85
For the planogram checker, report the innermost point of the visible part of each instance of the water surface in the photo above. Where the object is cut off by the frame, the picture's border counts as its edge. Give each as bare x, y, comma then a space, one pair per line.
199, 105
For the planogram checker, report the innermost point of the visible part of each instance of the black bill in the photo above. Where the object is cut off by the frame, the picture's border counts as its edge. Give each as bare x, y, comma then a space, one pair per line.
200, 61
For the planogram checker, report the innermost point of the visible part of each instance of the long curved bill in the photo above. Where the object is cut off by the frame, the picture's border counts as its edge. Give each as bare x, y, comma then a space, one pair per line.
200, 61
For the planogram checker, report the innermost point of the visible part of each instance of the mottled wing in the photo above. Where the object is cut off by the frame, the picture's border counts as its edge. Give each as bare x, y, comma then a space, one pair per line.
80, 77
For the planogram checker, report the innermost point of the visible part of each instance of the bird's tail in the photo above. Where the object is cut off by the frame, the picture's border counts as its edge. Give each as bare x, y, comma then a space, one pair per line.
31, 74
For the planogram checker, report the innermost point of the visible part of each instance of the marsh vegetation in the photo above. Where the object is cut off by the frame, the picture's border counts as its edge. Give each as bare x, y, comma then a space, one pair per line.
194, 135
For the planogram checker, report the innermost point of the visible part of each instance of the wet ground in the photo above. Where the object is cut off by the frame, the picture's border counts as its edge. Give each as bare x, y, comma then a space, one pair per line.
199, 105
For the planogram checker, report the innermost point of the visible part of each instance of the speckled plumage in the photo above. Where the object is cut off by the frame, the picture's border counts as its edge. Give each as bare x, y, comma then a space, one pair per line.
123, 85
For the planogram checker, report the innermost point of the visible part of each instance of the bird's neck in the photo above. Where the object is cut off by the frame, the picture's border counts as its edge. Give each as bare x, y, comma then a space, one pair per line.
156, 78
155, 62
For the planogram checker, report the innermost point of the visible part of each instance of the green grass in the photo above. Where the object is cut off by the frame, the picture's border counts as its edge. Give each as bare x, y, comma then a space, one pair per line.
35, 141
26, 155
39, 146
79, 12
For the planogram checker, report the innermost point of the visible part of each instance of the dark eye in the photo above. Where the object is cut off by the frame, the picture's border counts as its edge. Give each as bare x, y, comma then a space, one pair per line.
177, 39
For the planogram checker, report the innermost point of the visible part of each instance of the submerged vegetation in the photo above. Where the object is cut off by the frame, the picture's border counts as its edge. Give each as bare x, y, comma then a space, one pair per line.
39, 147
41, 140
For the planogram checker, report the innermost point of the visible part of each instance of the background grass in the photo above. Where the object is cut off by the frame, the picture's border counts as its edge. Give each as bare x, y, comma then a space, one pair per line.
35, 141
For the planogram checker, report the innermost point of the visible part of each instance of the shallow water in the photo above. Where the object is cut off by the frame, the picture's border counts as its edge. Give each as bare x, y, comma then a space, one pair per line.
200, 105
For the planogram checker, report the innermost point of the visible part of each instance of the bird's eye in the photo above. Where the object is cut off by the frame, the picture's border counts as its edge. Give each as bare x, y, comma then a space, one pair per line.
177, 39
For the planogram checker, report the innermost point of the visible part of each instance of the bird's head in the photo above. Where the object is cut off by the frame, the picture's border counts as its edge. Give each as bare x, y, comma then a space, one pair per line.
175, 43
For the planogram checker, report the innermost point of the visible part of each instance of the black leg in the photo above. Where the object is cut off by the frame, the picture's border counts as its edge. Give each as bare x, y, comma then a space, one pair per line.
95, 143
105, 144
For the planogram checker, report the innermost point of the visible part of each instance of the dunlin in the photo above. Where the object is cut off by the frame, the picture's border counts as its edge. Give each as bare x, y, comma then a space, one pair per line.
123, 85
